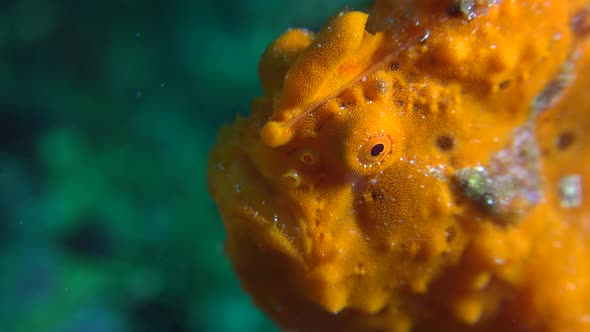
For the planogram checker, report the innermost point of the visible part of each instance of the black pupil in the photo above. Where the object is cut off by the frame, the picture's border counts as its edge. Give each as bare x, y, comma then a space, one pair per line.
377, 149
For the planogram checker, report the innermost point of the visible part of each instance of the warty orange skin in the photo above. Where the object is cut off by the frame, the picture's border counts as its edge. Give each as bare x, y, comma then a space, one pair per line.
422, 167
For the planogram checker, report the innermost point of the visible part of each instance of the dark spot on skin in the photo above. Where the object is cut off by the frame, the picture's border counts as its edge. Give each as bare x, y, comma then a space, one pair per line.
445, 143
394, 66
554, 89
504, 84
291, 151
377, 149
377, 89
377, 195
565, 140
308, 159
581, 22
344, 103
450, 233
325, 121
454, 10
462, 8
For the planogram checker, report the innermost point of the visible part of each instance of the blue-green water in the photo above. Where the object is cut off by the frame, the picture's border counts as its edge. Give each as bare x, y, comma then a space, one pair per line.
107, 113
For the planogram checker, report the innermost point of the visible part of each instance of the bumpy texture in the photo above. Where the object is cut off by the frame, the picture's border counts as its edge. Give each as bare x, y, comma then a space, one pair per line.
422, 167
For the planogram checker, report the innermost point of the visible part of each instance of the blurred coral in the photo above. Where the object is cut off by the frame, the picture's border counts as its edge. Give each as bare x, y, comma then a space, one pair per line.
107, 112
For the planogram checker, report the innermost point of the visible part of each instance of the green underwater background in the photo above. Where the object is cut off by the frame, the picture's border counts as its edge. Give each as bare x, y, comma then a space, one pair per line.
108, 110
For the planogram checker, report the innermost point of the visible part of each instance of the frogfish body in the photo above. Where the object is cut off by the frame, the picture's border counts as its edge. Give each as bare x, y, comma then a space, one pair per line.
424, 166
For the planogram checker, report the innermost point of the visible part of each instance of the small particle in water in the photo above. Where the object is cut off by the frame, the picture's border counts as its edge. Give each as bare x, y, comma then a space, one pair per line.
138, 94
162, 84
570, 191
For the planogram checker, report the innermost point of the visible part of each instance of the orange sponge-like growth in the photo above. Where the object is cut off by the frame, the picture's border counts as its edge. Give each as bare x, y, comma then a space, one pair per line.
422, 167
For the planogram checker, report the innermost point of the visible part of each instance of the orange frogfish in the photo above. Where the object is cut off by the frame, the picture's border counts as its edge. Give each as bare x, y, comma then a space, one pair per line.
421, 167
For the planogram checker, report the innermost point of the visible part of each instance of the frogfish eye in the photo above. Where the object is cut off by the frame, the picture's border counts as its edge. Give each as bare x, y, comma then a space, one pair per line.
375, 150
365, 146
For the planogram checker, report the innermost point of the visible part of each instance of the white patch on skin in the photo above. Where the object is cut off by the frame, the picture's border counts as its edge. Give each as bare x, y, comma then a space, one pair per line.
570, 191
